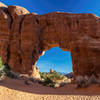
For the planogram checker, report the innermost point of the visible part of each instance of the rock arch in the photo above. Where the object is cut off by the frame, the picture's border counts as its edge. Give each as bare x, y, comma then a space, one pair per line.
24, 36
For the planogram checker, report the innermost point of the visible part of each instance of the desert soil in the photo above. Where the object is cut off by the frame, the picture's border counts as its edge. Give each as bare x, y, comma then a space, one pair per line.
11, 89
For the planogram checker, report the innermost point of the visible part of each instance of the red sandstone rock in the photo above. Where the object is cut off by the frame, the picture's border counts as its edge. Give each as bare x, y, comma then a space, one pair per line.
17, 14
51, 71
5, 21
30, 32
25, 36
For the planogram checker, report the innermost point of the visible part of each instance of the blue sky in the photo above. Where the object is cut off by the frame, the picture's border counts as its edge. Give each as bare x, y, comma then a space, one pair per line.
55, 58
45, 6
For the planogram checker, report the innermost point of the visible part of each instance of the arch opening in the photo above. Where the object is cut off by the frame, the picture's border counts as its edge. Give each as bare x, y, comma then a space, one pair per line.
55, 59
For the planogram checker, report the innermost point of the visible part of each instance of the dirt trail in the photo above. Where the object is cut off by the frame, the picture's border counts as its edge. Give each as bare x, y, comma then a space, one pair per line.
11, 89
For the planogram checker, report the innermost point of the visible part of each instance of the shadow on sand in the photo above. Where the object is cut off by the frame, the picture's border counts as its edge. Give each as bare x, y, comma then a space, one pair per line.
36, 88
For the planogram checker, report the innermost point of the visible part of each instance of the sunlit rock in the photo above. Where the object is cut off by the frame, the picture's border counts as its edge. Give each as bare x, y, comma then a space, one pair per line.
25, 36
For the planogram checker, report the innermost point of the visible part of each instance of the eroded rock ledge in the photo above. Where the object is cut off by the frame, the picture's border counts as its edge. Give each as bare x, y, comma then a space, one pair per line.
25, 36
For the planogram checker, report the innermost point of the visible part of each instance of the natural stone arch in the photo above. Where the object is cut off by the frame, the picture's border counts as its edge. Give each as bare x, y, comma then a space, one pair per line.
71, 32
57, 57
74, 33
24, 36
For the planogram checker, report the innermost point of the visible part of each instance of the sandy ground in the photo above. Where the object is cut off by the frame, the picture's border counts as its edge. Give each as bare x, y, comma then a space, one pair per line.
11, 89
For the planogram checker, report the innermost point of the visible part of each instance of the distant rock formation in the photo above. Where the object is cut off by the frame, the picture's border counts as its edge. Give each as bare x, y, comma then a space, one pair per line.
69, 75
51, 71
25, 36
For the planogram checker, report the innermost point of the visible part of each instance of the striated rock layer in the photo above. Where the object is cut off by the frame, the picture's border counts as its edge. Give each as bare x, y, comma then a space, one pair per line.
25, 36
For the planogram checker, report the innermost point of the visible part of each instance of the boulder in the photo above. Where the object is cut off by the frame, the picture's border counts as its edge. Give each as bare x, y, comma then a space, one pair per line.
35, 72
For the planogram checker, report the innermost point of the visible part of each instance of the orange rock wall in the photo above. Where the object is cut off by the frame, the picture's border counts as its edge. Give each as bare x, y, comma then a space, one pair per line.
25, 36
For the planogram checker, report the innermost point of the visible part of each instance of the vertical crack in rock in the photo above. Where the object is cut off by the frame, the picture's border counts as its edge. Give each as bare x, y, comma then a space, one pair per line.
10, 37
20, 27
17, 14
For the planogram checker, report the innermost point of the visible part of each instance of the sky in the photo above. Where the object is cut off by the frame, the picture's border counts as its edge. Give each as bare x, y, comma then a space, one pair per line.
55, 58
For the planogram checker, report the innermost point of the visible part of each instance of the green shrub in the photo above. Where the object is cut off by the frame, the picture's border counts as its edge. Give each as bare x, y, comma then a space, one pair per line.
2, 72
48, 82
1, 64
51, 79
5, 71
55, 76
43, 75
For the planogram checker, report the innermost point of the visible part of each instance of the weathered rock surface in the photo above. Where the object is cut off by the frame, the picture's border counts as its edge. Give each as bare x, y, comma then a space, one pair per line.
25, 36
35, 72
5, 24
17, 14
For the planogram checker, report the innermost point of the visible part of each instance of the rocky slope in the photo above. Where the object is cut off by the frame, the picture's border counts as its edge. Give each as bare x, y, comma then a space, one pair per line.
25, 36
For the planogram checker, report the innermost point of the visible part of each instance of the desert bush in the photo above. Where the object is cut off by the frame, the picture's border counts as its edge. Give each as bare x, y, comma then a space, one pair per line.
5, 71
50, 79
93, 79
1, 64
2, 70
48, 82
43, 75
86, 81
57, 75
2, 74
82, 81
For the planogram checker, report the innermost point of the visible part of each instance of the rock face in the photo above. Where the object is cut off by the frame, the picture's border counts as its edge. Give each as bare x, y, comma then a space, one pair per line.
35, 72
5, 26
25, 36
